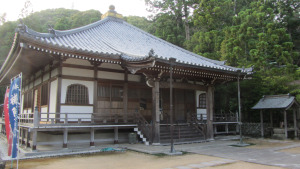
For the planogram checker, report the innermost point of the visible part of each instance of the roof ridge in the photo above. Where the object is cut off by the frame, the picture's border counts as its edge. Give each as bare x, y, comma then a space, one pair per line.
279, 95
59, 33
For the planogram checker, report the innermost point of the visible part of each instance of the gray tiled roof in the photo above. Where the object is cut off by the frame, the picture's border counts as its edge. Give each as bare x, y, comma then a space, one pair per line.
275, 102
112, 36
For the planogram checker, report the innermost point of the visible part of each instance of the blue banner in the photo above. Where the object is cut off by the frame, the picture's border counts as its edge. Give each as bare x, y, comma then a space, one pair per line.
14, 107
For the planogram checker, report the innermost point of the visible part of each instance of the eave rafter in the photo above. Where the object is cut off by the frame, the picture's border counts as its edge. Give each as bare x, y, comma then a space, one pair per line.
149, 65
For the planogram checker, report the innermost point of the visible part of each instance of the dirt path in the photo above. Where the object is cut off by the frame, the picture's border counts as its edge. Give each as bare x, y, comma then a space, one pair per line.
130, 160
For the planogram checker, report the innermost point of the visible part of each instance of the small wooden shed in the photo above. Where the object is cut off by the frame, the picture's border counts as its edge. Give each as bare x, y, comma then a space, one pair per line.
281, 103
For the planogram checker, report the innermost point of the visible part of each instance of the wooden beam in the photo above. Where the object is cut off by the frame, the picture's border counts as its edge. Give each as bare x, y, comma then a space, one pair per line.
178, 85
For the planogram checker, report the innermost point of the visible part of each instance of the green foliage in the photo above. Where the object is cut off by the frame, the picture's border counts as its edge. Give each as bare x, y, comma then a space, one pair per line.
140, 22
259, 33
6, 38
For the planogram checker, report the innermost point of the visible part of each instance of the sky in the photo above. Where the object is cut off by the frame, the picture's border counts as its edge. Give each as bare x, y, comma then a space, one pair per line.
12, 8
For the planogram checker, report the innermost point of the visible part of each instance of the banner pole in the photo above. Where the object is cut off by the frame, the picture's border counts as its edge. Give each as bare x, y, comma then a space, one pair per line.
18, 154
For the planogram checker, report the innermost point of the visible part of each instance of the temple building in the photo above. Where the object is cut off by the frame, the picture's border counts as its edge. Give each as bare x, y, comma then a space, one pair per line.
99, 82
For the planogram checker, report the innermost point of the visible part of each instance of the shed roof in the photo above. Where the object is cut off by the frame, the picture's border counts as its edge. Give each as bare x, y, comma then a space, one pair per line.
276, 102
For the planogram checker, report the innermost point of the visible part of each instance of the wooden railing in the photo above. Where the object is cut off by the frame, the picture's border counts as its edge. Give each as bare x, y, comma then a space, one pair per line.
230, 117
44, 119
143, 125
199, 125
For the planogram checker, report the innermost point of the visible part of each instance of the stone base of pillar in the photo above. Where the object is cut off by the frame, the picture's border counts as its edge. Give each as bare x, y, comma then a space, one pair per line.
92, 144
116, 142
33, 147
65, 145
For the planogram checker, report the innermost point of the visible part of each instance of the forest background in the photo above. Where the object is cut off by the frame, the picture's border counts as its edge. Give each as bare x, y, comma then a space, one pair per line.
263, 34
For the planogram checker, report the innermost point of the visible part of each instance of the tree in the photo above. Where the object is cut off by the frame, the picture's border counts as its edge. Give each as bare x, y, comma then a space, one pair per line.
2, 18
178, 9
26, 10
140, 22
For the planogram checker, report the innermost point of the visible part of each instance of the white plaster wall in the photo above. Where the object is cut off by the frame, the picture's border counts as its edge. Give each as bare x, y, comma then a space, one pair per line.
46, 77
82, 112
44, 116
38, 73
53, 94
78, 62
54, 72
30, 85
110, 75
37, 81
200, 111
134, 78
77, 72
111, 66
67, 82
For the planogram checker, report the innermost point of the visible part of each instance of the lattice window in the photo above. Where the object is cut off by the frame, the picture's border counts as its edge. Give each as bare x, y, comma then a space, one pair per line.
77, 94
44, 95
202, 100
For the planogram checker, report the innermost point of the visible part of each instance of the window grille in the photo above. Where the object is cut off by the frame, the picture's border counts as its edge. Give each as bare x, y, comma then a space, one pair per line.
77, 94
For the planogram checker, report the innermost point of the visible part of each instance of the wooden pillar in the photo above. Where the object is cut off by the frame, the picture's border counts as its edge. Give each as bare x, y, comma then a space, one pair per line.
27, 138
116, 140
295, 123
34, 139
155, 114
95, 88
92, 140
271, 123
65, 143
262, 123
125, 96
271, 119
49, 88
58, 91
23, 136
210, 111
285, 124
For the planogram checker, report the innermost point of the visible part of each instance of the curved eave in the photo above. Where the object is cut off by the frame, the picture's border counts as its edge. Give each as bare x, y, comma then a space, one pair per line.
9, 61
204, 67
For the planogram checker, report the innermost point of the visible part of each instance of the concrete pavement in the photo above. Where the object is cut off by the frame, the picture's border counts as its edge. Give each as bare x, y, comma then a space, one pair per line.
218, 148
